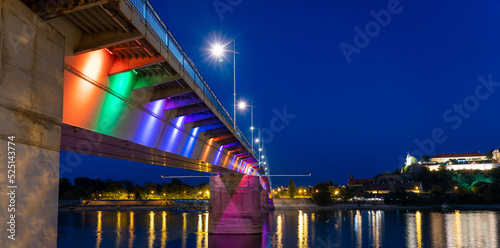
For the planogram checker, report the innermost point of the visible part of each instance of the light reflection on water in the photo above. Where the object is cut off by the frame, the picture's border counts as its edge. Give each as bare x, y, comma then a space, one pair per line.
292, 228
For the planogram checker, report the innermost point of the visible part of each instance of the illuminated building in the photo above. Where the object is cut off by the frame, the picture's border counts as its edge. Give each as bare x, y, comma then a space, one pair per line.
386, 187
358, 182
472, 166
460, 157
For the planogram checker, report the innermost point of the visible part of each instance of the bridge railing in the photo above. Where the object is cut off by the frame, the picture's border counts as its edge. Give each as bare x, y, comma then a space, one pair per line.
153, 20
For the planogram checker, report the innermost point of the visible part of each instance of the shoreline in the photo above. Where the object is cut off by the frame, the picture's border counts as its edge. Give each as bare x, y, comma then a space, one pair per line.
395, 207
279, 207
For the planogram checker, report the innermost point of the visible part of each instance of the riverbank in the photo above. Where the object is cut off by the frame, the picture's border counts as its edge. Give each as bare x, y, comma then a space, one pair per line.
308, 204
131, 205
279, 204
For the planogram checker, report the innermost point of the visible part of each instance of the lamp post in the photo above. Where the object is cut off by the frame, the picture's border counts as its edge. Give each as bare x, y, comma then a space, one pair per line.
243, 105
218, 51
260, 143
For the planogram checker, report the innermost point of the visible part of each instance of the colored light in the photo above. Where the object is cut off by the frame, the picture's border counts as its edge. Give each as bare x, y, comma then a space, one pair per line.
150, 126
207, 150
189, 146
173, 136
113, 107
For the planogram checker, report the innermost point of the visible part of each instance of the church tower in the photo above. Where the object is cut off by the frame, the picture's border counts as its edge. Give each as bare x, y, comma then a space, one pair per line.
408, 159
496, 156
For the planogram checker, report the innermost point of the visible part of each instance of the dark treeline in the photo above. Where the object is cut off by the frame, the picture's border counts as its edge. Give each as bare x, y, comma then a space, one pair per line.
442, 186
458, 187
84, 188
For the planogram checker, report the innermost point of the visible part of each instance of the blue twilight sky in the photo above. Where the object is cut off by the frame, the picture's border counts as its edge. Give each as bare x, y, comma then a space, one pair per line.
415, 80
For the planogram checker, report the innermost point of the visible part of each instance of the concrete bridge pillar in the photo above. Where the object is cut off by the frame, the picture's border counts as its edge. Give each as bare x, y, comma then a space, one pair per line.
31, 99
264, 201
235, 205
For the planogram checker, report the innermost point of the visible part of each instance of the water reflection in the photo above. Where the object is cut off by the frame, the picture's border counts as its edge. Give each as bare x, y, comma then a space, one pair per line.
305, 229
163, 229
376, 226
414, 229
358, 228
437, 225
279, 231
99, 229
184, 229
478, 229
118, 229
202, 232
151, 239
131, 230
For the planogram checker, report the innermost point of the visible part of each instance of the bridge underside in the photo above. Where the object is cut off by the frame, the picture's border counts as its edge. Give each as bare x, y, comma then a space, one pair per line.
93, 143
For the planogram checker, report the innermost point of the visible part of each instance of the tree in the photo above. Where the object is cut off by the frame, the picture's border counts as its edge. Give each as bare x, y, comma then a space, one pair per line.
292, 188
321, 194
425, 158
64, 186
345, 194
489, 155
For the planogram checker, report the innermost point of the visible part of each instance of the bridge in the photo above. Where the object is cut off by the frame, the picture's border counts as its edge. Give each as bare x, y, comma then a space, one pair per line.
107, 78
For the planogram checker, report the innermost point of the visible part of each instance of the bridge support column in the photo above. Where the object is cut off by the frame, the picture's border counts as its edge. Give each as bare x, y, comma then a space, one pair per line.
264, 201
31, 81
235, 205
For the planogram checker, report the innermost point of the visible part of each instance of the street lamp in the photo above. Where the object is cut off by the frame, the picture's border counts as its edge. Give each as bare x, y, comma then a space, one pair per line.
218, 51
242, 105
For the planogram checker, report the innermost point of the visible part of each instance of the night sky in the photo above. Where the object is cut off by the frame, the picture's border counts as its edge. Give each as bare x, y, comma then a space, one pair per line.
426, 81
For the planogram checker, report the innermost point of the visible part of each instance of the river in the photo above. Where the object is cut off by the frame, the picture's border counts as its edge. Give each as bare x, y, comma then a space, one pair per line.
283, 228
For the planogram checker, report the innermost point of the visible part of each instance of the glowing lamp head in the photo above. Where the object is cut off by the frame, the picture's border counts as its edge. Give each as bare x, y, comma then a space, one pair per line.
262, 156
217, 50
252, 128
260, 149
257, 141
242, 105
